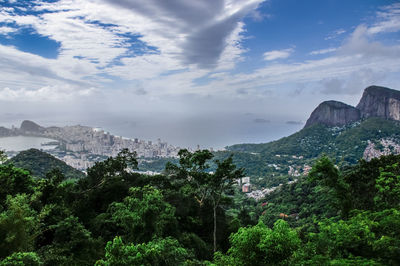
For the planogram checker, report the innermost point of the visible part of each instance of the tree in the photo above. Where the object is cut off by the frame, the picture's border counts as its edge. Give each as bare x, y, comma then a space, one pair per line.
219, 183
260, 245
143, 215
111, 168
70, 244
192, 168
388, 187
327, 175
18, 225
165, 251
362, 180
13, 181
206, 185
22, 258
364, 239
106, 182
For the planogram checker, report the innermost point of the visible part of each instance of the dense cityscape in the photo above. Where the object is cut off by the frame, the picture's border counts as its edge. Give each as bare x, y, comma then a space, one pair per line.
82, 146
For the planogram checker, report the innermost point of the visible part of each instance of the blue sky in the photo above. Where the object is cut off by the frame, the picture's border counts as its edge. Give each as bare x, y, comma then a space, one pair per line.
189, 60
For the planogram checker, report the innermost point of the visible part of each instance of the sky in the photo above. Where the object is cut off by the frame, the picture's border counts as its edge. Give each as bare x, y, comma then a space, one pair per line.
208, 72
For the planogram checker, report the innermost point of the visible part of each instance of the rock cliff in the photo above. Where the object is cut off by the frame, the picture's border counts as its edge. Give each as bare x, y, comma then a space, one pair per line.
380, 102
333, 113
376, 102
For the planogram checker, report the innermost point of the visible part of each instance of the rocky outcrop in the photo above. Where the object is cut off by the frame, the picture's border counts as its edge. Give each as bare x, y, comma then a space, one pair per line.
380, 102
31, 127
333, 113
376, 102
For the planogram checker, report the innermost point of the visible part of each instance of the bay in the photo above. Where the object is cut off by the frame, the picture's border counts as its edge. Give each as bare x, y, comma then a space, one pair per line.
20, 143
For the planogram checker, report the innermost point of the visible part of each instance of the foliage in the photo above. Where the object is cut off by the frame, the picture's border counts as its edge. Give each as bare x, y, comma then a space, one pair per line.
388, 187
327, 175
155, 165
157, 252
71, 244
144, 214
362, 180
14, 180
259, 245
39, 163
370, 235
211, 186
22, 258
106, 182
346, 145
338, 215
18, 223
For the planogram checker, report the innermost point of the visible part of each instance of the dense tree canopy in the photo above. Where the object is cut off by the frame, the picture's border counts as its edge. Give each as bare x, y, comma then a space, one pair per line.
194, 215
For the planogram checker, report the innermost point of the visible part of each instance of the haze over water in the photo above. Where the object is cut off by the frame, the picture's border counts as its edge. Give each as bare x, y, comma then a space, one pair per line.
21, 143
207, 131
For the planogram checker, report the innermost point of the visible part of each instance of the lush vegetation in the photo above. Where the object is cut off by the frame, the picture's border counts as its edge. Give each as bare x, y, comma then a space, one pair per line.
190, 215
268, 164
39, 163
344, 145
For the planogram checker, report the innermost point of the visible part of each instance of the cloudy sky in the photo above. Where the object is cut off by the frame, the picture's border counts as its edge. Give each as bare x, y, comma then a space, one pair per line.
213, 72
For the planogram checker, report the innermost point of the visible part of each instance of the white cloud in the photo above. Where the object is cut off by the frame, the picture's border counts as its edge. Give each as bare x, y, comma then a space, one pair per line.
360, 43
95, 35
323, 51
388, 20
7, 30
278, 54
335, 34
359, 62
49, 93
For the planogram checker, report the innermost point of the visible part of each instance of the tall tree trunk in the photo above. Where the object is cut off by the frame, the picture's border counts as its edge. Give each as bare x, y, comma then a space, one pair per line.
215, 229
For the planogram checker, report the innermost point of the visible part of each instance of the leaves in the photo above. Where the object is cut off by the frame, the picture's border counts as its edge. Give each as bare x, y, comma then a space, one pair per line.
144, 215
18, 223
259, 245
165, 251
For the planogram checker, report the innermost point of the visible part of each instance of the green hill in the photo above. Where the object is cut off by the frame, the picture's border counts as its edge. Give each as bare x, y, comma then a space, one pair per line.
345, 145
268, 163
39, 163
347, 142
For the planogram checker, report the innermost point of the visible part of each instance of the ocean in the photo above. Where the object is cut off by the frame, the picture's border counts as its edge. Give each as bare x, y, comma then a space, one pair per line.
20, 143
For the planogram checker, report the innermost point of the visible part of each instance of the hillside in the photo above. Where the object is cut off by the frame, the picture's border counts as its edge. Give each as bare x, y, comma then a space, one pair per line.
341, 131
272, 163
348, 142
40, 163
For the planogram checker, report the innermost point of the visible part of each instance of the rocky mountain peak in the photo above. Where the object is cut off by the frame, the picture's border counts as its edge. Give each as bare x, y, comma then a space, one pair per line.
31, 127
333, 113
376, 101
380, 102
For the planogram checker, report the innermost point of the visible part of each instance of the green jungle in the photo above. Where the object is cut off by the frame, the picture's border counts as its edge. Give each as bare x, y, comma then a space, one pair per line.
194, 215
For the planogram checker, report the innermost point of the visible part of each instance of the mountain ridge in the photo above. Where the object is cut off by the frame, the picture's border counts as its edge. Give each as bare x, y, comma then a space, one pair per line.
343, 132
333, 113
376, 101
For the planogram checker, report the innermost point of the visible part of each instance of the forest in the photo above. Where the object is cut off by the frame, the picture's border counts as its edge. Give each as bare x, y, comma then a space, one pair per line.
193, 215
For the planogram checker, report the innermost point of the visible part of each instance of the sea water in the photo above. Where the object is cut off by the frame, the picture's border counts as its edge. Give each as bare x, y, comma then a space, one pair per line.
20, 143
